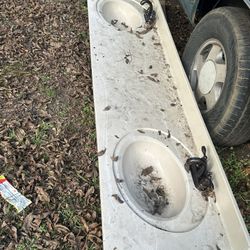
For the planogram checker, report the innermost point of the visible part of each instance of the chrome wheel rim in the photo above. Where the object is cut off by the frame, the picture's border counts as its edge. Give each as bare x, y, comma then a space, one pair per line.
208, 74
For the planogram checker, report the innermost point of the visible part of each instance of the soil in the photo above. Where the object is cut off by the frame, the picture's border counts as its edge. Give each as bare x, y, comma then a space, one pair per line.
178, 23
47, 129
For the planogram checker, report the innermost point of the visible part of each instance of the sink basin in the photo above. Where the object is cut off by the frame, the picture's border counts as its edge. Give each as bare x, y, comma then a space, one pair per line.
151, 178
123, 15
147, 167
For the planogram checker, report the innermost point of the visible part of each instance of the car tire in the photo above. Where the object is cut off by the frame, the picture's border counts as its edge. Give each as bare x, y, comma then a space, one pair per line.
227, 111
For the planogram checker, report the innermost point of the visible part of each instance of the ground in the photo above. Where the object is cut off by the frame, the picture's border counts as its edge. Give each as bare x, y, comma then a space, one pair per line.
47, 129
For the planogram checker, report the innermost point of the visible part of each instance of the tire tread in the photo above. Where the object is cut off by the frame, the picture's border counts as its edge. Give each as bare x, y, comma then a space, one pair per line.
233, 127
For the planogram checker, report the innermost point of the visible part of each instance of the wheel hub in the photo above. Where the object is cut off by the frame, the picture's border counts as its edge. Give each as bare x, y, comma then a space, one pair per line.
208, 74
207, 77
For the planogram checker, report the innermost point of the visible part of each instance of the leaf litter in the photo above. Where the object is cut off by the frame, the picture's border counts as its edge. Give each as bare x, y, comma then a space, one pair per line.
47, 129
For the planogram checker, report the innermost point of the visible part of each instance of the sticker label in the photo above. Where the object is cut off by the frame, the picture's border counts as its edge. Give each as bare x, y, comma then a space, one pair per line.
11, 195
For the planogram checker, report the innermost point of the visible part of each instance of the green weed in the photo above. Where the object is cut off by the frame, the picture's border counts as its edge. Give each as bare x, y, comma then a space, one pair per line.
239, 182
88, 115
41, 133
27, 244
64, 110
84, 36
95, 182
12, 135
69, 217
45, 78
84, 6
235, 171
43, 228
49, 92
91, 246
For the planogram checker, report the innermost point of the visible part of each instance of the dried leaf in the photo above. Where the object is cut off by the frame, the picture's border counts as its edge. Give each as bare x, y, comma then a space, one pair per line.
14, 233
90, 191
102, 152
141, 131
114, 158
169, 134
147, 171
61, 228
42, 195
119, 180
31, 222
153, 79
117, 197
107, 108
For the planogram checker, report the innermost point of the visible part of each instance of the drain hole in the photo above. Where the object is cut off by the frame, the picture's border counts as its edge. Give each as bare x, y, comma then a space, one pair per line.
153, 182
